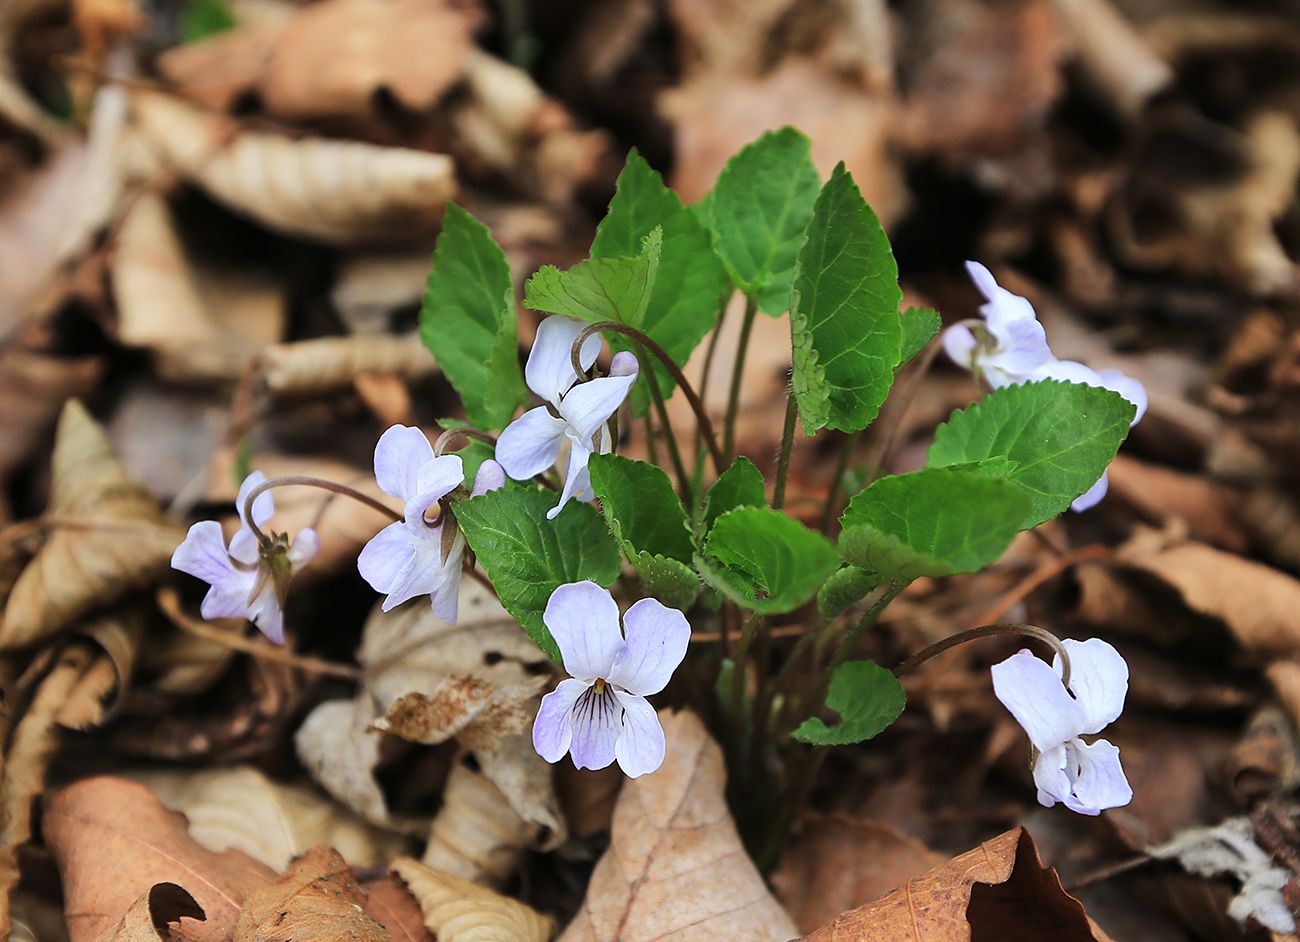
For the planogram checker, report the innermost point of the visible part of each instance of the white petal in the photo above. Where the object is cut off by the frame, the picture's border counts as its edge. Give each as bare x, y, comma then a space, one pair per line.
1098, 680
305, 546
657, 637
263, 507
439, 477
446, 598
597, 724
399, 455
243, 546
588, 406
583, 619
983, 279
230, 598
553, 728
203, 553
530, 444
1021, 348
1051, 777
1066, 371
959, 343
577, 481
1092, 496
386, 557
1100, 781
1033, 692
1128, 387
549, 371
490, 477
640, 748
264, 612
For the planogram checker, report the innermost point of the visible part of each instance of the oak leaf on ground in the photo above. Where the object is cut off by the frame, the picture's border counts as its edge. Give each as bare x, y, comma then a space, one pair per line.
457, 910
147, 919
316, 900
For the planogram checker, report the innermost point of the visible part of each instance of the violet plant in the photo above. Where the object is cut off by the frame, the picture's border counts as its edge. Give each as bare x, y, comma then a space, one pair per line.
705, 541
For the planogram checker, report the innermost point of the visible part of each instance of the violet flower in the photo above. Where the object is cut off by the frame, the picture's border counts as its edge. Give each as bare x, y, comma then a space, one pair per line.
602, 713
576, 412
1011, 343
247, 581
414, 557
1086, 777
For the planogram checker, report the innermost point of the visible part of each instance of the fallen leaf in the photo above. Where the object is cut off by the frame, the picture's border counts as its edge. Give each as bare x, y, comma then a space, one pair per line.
315, 366
317, 898
219, 70
999, 890
1120, 63
1210, 510
113, 840
271, 822
456, 910
107, 537
118, 637
675, 869
393, 906
474, 711
147, 919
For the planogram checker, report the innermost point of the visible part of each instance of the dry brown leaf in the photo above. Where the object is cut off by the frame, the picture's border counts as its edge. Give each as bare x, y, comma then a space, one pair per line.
836, 862
477, 713
221, 69
333, 190
999, 890
107, 537
1117, 60
317, 898
118, 636
675, 870
241, 808
1211, 511
456, 910
392, 905
476, 835
147, 919
113, 840
314, 366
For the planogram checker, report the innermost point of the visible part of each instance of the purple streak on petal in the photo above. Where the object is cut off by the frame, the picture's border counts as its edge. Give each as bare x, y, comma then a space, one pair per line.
530, 444
203, 553
597, 725
305, 546
490, 477
1051, 777
553, 728
1092, 496
1100, 781
588, 406
385, 559
399, 455
263, 507
641, 747
583, 619
1128, 387
657, 637
1033, 692
1098, 680
549, 371
960, 345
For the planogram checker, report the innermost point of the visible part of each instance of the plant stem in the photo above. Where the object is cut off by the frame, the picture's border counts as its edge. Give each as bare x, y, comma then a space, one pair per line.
708, 358
984, 631
738, 674
787, 445
837, 482
769, 854
733, 400
651, 446
670, 439
463, 432
908, 394
891, 590
306, 481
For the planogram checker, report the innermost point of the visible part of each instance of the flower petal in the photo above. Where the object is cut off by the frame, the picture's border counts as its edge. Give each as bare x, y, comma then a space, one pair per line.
1100, 782
1002, 306
399, 455
243, 547
1051, 777
549, 370
588, 406
439, 477
1092, 496
1021, 348
597, 724
553, 728
641, 747
1033, 692
490, 477
1066, 371
1098, 680
530, 443
959, 343
203, 553
229, 599
385, 559
657, 637
577, 480
263, 507
583, 619
305, 546
264, 612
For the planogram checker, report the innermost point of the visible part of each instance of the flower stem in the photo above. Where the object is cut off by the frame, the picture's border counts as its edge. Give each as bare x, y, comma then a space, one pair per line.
908, 394
292, 479
742, 653
787, 445
984, 631
670, 439
891, 590
733, 400
462, 432
707, 371
837, 481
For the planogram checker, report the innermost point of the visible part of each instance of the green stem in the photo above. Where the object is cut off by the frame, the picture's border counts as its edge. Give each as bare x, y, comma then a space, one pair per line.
850, 642
796, 793
733, 400
984, 631
837, 482
708, 358
738, 674
651, 447
787, 445
908, 394
670, 439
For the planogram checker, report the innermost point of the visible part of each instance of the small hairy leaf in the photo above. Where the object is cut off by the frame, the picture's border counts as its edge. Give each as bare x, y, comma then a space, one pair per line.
528, 557
600, 289
741, 485
765, 561
844, 587
1061, 436
866, 696
468, 320
758, 213
920, 324
846, 332
931, 523
669, 580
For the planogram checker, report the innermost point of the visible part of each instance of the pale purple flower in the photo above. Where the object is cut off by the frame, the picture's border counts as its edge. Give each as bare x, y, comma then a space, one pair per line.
576, 412
1011, 342
1086, 777
602, 713
245, 583
414, 557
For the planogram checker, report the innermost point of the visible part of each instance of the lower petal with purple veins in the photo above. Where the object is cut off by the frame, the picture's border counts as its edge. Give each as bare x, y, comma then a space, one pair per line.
553, 728
641, 747
597, 722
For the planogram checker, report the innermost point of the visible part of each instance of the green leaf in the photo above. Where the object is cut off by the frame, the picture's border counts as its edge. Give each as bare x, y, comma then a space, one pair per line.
1061, 436
741, 485
931, 523
468, 320
640, 506
200, 19
846, 332
528, 557
672, 582
765, 561
844, 587
690, 283
600, 289
867, 697
920, 324
758, 213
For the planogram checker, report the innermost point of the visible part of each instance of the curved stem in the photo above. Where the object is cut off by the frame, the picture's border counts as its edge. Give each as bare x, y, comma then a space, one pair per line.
464, 432
670, 439
984, 631
733, 400
265, 541
701, 417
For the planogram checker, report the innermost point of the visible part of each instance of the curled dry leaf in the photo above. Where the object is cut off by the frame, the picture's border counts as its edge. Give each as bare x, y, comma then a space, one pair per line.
241, 808
477, 713
456, 910
107, 537
316, 900
118, 635
476, 835
113, 840
147, 919
675, 869
315, 366
333, 190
